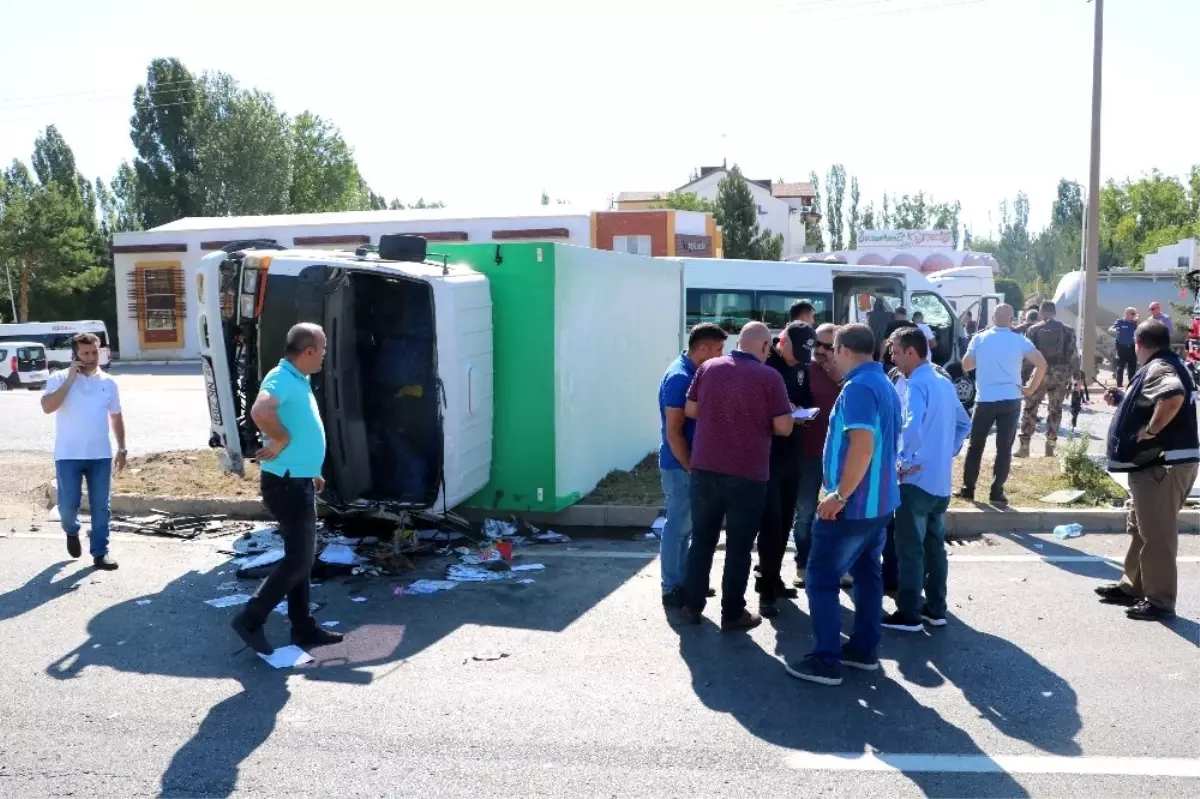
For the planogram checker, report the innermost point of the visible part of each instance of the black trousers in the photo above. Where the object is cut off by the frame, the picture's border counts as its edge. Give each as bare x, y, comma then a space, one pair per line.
292, 501
1126, 362
779, 514
1004, 416
738, 504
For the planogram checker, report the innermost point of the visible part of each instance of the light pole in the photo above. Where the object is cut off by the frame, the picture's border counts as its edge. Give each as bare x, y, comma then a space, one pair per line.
1091, 227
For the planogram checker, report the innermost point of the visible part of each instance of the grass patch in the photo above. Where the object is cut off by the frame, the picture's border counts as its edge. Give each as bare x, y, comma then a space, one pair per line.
184, 474
1029, 481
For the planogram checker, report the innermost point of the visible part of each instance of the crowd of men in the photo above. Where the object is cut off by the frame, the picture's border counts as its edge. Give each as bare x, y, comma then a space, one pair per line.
863, 485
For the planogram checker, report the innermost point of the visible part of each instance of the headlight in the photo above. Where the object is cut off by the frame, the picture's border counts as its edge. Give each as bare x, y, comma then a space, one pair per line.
247, 306
250, 281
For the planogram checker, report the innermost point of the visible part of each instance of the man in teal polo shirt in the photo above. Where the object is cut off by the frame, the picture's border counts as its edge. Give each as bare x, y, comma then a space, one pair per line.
291, 458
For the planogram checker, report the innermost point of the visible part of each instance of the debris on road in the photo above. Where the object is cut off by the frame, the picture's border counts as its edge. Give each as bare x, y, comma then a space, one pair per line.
526, 581
1068, 530
358, 599
143, 601
424, 587
228, 601
489, 656
286, 657
282, 608
529, 567
474, 574
551, 537
340, 554
332, 623
1064, 496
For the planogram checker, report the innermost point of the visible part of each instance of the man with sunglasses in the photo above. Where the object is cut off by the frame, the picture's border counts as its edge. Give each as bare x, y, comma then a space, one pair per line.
824, 384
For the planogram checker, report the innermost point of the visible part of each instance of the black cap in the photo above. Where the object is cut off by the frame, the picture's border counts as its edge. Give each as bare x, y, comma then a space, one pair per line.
802, 338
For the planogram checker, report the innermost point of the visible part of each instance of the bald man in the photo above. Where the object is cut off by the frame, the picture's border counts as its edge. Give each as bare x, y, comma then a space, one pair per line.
996, 355
291, 458
739, 404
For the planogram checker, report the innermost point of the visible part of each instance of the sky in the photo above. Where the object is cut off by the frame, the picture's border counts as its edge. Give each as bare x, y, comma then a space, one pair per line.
484, 105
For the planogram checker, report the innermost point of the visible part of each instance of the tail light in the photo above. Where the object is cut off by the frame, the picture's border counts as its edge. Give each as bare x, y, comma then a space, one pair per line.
13, 364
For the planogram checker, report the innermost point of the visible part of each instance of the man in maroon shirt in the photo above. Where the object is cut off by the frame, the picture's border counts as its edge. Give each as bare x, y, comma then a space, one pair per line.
825, 382
738, 403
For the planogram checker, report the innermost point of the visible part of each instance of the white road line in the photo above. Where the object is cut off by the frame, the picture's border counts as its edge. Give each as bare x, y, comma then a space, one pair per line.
1000, 764
1054, 559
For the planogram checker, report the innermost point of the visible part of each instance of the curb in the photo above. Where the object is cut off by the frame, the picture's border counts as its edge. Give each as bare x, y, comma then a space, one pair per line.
959, 523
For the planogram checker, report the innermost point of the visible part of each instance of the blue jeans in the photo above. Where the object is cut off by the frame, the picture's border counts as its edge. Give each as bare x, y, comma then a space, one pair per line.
70, 476
921, 547
677, 532
838, 547
806, 508
738, 503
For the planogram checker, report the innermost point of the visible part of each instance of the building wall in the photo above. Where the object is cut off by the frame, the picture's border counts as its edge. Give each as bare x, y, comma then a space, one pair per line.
1168, 257
655, 224
774, 213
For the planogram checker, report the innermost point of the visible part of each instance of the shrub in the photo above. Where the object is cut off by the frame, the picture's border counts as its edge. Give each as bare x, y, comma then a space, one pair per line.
1085, 474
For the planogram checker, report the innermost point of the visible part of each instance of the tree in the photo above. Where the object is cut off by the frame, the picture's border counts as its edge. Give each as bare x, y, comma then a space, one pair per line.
325, 176
944, 216
683, 201
545, 198
737, 214
868, 220
885, 215
813, 240
912, 213
854, 220
163, 125
768, 247
1014, 295
835, 187
53, 160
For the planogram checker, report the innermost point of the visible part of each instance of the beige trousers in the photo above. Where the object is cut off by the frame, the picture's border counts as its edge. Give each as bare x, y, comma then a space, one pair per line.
1153, 524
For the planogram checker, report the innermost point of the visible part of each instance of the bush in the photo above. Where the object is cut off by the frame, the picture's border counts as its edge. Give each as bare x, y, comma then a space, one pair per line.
1085, 474
1014, 295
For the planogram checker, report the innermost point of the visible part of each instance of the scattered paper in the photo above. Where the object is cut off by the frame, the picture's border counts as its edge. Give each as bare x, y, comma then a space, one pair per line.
228, 601
258, 561
340, 554
804, 414
659, 525
424, 587
260, 540
479, 558
1063, 497
358, 599
494, 528
529, 567
473, 574
286, 657
551, 537
526, 581
144, 601
330, 623
282, 608
493, 655
438, 535
228, 586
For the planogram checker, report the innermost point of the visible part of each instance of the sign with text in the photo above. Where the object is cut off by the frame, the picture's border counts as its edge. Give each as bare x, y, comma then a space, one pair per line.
900, 239
693, 246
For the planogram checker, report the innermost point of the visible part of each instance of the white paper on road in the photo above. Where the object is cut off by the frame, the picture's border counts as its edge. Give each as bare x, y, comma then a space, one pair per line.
144, 601
282, 608
286, 657
231, 585
340, 554
358, 599
330, 623
474, 574
804, 414
258, 561
423, 587
228, 601
526, 581
529, 567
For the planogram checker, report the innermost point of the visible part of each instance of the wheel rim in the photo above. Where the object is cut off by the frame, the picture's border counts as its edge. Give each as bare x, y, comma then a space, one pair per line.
964, 388
4, 385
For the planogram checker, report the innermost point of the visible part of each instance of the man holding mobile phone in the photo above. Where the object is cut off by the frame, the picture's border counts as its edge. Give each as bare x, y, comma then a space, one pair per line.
85, 402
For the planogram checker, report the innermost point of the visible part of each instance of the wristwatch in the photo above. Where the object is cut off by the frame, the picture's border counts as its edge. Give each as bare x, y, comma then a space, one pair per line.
122, 452
836, 497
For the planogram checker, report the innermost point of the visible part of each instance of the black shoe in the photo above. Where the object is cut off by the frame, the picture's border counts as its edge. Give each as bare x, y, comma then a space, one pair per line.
997, 498
712, 592
783, 592
315, 636
899, 621
74, 548
933, 619
767, 608
1113, 594
1144, 611
253, 637
859, 660
966, 493
813, 670
747, 621
693, 616
674, 598
105, 563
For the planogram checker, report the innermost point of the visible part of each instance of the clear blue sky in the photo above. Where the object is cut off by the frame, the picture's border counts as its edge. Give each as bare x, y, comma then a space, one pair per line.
485, 104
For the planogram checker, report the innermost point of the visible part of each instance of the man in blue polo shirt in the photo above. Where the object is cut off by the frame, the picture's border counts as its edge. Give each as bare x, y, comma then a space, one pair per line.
705, 342
862, 493
1127, 361
291, 458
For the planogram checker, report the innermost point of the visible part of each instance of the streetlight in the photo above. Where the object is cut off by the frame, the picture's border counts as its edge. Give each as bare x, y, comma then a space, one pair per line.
1091, 227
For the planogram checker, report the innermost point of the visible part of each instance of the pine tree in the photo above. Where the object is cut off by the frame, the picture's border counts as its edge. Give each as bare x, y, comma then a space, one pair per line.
737, 214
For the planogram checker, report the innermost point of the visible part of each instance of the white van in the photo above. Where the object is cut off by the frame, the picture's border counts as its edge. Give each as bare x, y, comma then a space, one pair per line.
731, 293
56, 338
969, 288
404, 376
22, 365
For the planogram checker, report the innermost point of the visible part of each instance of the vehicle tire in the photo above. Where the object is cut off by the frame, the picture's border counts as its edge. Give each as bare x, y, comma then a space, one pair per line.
10, 383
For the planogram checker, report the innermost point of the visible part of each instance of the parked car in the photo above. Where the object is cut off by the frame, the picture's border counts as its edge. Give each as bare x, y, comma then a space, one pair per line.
22, 365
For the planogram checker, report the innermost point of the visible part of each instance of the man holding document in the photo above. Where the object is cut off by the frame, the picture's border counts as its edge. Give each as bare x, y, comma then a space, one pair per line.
790, 357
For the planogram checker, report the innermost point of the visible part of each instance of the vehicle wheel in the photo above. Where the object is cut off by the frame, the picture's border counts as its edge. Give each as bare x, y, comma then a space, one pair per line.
965, 388
9, 383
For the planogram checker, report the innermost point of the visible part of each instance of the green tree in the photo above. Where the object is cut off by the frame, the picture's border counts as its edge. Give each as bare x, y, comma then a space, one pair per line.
814, 241
545, 198
835, 188
163, 124
1014, 295
683, 201
854, 218
885, 214
945, 216
868, 220
737, 214
912, 213
325, 176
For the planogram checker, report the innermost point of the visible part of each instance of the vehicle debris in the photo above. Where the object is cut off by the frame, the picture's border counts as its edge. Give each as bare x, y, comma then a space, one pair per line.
228, 601
165, 524
424, 587
286, 657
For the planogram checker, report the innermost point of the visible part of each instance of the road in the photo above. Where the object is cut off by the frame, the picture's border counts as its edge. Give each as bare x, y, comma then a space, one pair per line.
577, 685
164, 409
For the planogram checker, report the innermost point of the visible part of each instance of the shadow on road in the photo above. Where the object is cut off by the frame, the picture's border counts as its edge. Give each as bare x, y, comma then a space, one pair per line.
177, 635
873, 713
40, 590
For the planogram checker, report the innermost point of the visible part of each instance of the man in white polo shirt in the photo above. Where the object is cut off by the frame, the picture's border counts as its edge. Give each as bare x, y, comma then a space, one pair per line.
996, 356
85, 401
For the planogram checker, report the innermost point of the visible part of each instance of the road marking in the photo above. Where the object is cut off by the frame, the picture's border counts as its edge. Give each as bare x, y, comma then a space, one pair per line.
1054, 559
567, 553
1000, 764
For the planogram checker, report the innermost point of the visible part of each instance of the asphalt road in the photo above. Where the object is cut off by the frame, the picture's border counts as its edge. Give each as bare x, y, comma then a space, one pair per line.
164, 409
577, 685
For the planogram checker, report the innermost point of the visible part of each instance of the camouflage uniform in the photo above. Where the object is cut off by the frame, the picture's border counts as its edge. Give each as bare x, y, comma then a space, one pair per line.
1056, 342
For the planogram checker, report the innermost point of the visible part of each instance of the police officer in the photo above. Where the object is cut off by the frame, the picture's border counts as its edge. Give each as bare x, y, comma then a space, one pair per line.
1056, 342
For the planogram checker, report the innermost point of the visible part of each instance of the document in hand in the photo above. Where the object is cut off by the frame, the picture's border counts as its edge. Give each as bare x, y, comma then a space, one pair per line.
804, 414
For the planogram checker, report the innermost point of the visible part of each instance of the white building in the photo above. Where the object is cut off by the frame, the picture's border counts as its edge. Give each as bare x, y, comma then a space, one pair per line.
922, 250
782, 207
1180, 255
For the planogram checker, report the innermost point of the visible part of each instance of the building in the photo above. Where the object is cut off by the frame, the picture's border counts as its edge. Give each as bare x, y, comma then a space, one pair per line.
922, 250
782, 207
1180, 255
154, 269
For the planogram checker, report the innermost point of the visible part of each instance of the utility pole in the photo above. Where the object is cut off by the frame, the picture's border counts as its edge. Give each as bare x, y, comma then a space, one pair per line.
1091, 226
